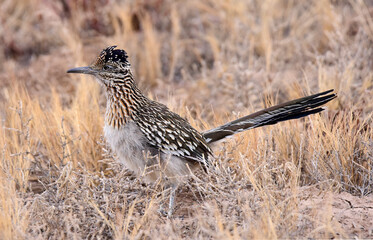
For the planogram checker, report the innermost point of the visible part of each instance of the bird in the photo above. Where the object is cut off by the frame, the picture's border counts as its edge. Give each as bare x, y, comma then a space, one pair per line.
155, 142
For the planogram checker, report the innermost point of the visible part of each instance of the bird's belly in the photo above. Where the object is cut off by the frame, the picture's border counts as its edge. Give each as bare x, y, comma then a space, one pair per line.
130, 146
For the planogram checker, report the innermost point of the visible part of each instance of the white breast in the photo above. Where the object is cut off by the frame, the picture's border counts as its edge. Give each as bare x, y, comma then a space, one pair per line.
129, 143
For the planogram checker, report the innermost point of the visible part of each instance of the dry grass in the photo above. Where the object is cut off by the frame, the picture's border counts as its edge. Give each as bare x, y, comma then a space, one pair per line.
210, 61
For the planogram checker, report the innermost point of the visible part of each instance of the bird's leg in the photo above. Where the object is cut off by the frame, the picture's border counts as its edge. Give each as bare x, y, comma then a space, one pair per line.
172, 200
172, 191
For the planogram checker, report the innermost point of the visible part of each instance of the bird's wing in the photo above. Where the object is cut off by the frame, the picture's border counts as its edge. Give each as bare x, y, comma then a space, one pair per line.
171, 134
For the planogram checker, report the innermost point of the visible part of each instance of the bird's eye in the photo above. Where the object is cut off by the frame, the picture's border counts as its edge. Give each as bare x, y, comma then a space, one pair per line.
107, 67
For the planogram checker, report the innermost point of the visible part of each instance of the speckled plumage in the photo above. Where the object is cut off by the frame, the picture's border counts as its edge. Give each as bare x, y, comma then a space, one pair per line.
143, 133
150, 139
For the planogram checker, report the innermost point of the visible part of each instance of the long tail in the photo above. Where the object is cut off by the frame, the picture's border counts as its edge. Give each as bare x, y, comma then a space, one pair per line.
290, 110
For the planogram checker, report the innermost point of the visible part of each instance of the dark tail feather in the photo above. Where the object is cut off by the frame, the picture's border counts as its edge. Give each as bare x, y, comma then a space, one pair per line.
286, 111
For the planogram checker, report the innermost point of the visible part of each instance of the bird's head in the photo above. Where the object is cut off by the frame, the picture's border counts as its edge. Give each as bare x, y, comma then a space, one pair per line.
110, 66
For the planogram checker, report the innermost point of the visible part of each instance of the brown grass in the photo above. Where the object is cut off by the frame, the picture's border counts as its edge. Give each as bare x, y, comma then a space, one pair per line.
210, 61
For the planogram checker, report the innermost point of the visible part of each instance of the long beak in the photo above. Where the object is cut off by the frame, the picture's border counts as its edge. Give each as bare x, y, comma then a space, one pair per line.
84, 70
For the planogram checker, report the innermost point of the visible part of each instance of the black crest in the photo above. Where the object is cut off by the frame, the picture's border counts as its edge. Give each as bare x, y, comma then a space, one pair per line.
111, 54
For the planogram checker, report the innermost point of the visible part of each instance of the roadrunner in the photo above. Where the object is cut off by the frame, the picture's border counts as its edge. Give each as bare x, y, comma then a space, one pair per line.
151, 140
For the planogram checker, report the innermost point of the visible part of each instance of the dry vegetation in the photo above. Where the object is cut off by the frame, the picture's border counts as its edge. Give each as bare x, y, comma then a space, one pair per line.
210, 61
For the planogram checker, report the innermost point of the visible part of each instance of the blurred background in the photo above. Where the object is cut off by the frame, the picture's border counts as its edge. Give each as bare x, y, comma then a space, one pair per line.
227, 55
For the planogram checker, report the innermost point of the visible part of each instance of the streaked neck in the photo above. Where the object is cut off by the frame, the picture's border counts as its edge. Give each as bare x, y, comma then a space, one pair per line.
123, 99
